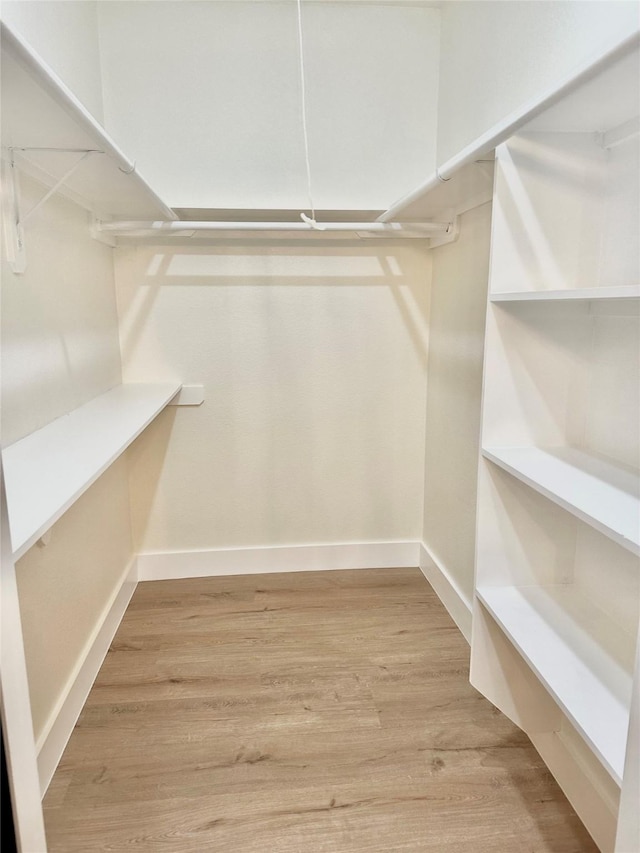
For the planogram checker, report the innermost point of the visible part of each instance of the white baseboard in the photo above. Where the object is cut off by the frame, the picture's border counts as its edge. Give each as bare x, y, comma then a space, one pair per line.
55, 736
294, 558
457, 604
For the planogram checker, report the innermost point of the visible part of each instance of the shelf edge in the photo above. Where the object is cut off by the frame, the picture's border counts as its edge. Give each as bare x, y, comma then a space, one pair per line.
20, 549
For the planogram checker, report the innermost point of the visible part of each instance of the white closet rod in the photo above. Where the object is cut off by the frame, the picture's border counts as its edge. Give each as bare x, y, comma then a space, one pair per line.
183, 228
501, 132
48, 80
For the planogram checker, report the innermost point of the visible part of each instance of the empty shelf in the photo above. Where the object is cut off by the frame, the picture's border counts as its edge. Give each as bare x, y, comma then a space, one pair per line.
48, 470
41, 114
596, 490
631, 291
556, 632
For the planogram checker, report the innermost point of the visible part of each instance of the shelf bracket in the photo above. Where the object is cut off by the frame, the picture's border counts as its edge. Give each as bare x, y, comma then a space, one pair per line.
449, 236
14, 218
14, 233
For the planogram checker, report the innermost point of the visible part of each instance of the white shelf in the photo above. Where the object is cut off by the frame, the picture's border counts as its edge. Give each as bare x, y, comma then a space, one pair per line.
39, 111
562, 637
48, 470
631, 291
468, 187
605, 101
459, 184
594, 489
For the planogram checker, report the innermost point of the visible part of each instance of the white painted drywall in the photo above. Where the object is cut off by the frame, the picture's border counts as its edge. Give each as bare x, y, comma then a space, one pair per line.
207, 97
313, 360
496, 55
454, 390
65, 590
59, 322
65, 34
60, 349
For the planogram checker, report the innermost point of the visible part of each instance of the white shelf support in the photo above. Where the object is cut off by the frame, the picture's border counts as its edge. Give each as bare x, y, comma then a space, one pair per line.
449, 236
22, 220
14, 233
17, 252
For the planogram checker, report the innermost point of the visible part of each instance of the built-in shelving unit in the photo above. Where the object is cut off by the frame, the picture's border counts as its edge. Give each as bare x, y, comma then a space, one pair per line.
46, 472
556, 611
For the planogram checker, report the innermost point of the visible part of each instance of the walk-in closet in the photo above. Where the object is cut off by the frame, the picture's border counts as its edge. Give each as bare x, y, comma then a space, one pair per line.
320, 345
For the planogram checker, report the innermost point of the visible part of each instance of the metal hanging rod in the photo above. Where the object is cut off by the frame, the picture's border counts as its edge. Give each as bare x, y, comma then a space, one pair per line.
189, 228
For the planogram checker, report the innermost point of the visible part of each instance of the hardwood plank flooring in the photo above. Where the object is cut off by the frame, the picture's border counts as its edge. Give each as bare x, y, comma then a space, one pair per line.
298, 713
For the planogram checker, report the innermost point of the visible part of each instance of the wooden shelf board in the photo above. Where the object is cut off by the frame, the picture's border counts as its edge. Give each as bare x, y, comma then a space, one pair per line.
553, 629
631, 291
46, 472
596, 490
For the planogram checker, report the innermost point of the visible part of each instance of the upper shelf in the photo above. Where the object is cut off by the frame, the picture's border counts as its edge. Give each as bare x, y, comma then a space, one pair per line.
605, 101
598, 491
461, 182
46, 472
40, 112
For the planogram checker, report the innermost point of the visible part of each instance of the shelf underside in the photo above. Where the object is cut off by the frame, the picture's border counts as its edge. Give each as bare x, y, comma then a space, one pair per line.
596, 490
469, 186
571, 647
583, 294
46, 472
606, 101
32, 119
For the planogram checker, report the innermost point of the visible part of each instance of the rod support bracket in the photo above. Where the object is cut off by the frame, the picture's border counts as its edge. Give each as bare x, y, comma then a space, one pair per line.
449, 236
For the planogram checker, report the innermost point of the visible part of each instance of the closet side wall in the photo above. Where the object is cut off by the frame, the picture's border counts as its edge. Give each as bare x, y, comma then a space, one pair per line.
495, 56
59, 349
65, 35
454, 390
313, 359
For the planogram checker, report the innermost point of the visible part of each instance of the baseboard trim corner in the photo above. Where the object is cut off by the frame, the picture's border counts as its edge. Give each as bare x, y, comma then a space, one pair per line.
291, 558
53, 742
457, 604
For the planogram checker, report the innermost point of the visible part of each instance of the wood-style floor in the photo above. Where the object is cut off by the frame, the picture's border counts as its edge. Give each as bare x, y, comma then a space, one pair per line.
298, 713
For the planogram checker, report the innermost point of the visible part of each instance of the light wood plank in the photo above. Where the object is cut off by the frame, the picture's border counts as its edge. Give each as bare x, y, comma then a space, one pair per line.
339, 717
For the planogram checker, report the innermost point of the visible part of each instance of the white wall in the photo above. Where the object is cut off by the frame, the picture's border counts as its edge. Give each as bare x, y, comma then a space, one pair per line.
314, 366
59, 349
65, 34
207, 96
454, 390
496, 55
